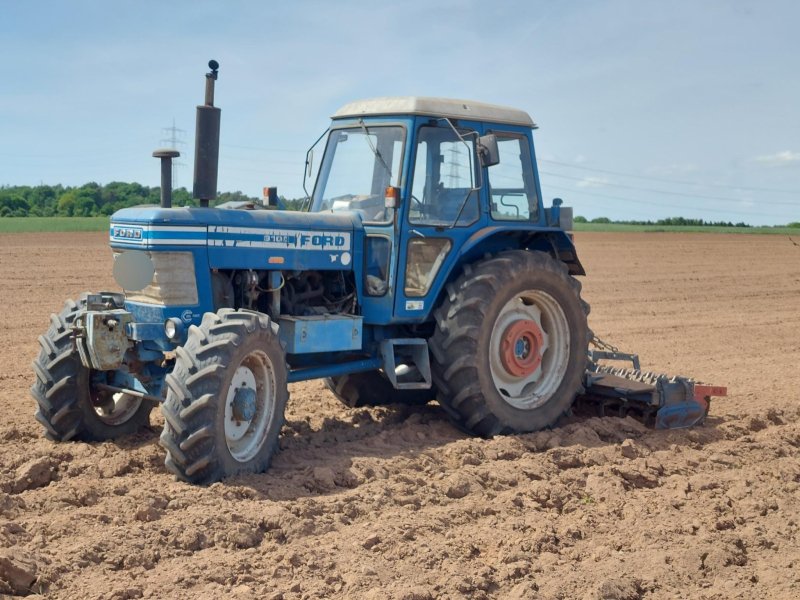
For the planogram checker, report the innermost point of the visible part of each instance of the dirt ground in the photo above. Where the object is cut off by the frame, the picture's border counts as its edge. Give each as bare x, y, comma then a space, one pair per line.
396, 503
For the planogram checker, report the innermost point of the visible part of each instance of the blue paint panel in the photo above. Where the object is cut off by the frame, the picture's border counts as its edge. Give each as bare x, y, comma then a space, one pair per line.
241, 239
146, 331
233, 257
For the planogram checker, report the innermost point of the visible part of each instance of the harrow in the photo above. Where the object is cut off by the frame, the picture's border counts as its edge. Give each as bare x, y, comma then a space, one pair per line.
659, 400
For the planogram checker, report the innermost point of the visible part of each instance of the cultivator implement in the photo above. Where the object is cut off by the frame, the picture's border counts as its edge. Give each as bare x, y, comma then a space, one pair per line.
662, 401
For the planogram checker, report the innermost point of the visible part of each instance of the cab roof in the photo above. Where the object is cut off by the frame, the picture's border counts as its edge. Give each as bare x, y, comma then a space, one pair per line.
435, 107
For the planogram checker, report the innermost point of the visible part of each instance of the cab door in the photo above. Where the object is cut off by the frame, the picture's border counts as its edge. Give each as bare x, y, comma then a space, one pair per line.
443, 205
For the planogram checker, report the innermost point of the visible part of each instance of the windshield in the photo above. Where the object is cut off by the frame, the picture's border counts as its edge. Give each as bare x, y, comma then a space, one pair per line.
360, 163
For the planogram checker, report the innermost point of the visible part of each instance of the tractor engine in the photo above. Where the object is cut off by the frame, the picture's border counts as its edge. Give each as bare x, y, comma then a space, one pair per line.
302, 293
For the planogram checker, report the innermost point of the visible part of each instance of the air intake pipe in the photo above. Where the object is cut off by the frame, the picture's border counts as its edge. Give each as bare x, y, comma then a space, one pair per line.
166, 155
206, 148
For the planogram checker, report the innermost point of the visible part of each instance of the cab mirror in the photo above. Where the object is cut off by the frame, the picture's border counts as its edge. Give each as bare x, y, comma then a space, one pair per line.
488, 151
309, 162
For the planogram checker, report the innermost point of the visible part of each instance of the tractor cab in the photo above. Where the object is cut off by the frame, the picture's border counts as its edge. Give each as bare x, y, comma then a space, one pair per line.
430, 179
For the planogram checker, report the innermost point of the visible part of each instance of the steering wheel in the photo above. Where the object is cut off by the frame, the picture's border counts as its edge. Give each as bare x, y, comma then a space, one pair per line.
419, 206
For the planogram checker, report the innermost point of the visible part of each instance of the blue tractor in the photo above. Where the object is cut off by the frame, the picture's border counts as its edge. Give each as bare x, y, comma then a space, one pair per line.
426, 267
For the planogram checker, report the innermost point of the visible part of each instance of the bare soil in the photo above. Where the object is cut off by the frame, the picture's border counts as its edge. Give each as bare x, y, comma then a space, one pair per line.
396, 503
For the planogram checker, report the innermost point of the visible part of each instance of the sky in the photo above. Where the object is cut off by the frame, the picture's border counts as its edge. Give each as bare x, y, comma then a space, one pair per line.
645, 109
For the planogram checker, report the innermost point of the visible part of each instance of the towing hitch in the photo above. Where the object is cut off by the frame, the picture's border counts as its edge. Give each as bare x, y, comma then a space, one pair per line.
100, 332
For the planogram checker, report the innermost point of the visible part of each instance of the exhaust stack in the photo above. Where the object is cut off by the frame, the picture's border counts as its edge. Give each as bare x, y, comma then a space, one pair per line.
206, 148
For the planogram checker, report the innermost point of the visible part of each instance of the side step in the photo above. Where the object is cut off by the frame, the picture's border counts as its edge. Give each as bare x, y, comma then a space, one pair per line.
406, 362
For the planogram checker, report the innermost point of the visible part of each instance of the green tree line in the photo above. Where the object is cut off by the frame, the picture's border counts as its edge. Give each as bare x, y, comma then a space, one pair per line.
94, 200
672, 221
91, 199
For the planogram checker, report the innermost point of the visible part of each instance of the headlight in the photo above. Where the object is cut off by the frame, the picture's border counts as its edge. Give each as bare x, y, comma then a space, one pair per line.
173, 328
133, 270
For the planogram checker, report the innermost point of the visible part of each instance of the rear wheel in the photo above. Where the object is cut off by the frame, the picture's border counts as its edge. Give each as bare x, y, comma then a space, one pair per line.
510, 347
68, 407
373, 388
225, 398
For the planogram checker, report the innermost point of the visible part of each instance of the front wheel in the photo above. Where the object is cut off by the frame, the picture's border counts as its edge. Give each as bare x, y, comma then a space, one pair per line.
67, 404
225, 398
510, 347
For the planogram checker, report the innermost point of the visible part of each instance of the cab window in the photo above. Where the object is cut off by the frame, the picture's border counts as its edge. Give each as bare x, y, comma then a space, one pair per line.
511, 183
359, 164
444, 175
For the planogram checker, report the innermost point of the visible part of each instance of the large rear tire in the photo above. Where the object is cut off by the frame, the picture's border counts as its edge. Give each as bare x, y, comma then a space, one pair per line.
510, 347
67, 407
373, 388
226, 398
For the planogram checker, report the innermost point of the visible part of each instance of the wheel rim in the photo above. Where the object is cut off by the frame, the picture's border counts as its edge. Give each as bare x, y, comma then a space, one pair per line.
249, 406
529, 349
115, 408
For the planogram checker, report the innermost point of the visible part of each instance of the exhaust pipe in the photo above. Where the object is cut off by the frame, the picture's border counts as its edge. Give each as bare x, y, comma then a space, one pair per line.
206, 148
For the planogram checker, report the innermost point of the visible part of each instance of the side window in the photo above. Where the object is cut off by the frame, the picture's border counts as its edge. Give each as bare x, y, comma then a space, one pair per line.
511, 182
376, 274
425, 257
444, 175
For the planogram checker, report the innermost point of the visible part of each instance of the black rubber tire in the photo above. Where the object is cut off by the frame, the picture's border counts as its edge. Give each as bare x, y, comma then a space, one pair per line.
194, 410
61, 389
373, 388
460, 345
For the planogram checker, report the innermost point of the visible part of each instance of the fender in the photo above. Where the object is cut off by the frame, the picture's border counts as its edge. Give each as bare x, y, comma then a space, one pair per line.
497, 238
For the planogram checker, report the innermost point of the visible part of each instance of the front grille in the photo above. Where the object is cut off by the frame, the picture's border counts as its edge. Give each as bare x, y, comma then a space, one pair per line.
173, 283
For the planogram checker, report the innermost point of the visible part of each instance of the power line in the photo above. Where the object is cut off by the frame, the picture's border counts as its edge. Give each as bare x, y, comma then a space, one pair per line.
174, 137
262, 149
678, 181
655, 191
645, 202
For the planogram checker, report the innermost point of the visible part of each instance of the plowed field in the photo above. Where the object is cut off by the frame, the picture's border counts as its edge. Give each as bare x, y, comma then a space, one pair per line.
396, 503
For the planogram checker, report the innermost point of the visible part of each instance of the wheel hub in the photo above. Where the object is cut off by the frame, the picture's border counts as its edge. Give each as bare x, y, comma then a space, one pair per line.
521, 348
529, 349
244, 404
249, 406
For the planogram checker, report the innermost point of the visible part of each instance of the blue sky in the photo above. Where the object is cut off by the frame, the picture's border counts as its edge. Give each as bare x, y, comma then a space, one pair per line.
646, 109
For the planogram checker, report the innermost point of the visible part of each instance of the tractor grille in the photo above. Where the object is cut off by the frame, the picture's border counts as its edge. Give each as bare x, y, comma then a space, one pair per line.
173, 283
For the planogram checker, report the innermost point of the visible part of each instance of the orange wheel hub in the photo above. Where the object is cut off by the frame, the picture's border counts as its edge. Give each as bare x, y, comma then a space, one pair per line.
521, 348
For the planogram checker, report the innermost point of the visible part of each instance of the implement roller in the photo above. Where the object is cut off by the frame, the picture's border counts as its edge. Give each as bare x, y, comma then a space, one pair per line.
662, 401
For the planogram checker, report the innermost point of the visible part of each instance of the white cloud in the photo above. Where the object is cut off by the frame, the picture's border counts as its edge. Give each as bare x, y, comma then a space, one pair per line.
593, 182
779, 159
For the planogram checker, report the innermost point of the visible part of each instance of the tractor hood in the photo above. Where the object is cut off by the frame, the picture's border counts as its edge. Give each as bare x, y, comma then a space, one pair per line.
265, 239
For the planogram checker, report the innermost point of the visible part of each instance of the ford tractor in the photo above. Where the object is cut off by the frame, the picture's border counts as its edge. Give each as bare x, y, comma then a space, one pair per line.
425, 267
